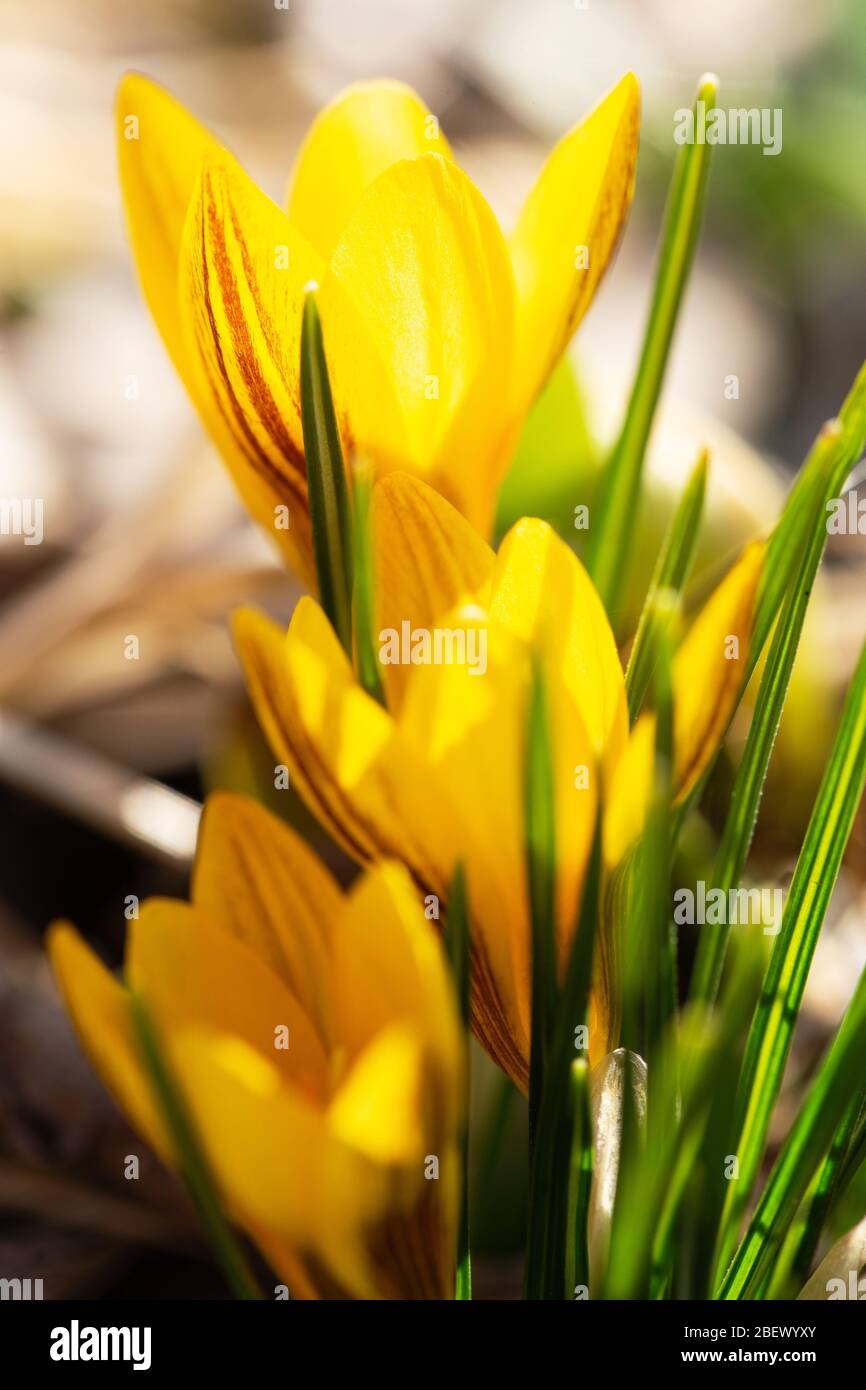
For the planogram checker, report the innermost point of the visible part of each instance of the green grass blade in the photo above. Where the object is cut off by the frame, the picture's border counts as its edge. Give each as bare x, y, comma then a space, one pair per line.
839, 1079
690, 1066
193, 1164
326, 478
457, 945
694, 1233
801, 1241
671, 573
751, 773
489, 1150
812, 885
549, 1170
579, 1181
615, 512
366, 657
541, 876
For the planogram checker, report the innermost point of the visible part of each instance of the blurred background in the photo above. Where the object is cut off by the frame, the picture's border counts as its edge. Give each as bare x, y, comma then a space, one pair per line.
104, 759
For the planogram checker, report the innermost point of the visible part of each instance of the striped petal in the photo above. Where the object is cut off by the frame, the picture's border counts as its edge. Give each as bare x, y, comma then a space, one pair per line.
428, 559
567, 231
361, 133
258, 880
376, 787
472, 725
365, 783
242, 273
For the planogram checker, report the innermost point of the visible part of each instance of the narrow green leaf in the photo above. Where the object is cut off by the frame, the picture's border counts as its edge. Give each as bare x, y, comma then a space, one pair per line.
616, 507
687, 1075
839, 1078
660, 947
549, 1167
669, 578
752, 770
811, 887
489, 1149
791, 1268
366, 657
541, 877
457, 944
687, 1251
326, 478
193, 1164
579, 1181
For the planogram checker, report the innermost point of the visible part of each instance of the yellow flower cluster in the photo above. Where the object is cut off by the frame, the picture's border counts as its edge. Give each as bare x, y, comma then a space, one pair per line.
313, 1034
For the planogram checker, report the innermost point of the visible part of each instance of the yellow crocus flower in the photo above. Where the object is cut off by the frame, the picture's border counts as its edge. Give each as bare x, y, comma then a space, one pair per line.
439, 331
315, 1040
437, 777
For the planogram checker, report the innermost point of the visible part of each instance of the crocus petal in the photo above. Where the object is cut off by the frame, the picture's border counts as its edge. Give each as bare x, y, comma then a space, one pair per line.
160, 147
361, 133
367, 786
428, 560
193, 973
258, 880
99, 1008
275, 1158
630, 793
710, 668
708, 674
388, 965
376, 789
417, 310
242, 273
542, 594
472, 724
378, 1110
578, 205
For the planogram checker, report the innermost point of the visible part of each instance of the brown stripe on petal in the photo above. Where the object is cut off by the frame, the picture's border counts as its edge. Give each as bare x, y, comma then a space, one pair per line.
266, 324
279, 479
267, 410
409, 1251
490, 1023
